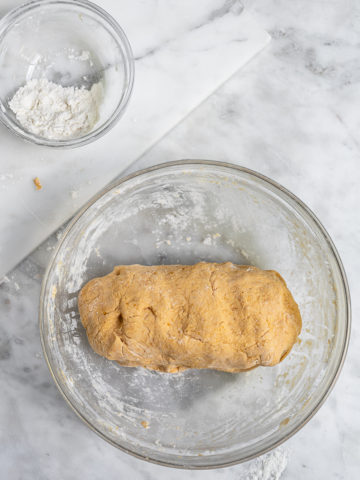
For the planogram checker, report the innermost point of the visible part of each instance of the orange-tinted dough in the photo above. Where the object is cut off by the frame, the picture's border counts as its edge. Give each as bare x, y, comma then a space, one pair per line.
172, 317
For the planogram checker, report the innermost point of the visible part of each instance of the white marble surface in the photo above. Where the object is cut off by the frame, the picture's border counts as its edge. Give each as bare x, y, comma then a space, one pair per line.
291, 114
183, 51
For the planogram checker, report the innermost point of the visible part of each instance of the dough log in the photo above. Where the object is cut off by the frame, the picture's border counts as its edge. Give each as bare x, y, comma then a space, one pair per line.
173, 317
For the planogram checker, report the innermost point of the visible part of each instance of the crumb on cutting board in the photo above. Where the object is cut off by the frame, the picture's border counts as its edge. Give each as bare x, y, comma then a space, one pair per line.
37, 183
145, 424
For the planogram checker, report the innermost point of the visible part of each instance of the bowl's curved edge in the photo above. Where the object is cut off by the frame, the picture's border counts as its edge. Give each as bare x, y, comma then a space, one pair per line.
129, 68
264, 178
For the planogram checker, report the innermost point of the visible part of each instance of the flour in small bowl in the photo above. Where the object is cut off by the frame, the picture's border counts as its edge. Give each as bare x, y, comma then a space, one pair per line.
54, 112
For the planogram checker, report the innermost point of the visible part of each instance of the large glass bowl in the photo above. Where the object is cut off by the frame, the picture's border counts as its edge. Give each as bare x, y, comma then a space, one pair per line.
71, 43
185, 212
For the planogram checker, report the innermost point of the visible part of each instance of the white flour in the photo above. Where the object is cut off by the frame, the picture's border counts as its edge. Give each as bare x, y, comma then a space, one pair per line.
55, 112
270, 466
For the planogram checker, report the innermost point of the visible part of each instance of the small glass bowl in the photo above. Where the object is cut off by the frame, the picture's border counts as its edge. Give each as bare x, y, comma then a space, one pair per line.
186, 212
71, 43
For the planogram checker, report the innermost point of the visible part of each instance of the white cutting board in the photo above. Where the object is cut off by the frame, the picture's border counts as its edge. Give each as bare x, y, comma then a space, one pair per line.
184, 50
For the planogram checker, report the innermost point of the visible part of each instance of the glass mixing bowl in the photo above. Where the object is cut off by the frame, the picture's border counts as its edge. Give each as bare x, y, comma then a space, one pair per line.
185, 212
71, 43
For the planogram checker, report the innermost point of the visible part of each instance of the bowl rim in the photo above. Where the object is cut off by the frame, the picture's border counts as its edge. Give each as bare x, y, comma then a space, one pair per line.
283, 190
6, 24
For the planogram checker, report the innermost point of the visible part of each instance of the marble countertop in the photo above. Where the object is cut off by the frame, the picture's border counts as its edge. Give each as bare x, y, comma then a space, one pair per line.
206, 47
291, 114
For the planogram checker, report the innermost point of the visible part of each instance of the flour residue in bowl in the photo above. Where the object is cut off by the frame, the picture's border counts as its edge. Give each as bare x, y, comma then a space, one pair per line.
175, 217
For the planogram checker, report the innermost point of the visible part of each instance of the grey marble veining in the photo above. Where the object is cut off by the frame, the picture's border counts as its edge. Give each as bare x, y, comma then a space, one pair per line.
183, 51
292, 115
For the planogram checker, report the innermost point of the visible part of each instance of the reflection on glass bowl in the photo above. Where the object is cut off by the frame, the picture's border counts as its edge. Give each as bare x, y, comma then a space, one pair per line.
70, 43
185, 212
